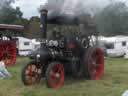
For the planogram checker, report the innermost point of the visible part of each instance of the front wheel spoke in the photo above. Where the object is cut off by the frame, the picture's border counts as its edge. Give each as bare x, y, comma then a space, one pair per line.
29, 79
30, 69
27, 72
34, 79
37, 77
34, 68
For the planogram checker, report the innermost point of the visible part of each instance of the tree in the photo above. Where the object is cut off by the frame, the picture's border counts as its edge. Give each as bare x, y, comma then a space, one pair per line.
33, 29
9, 15
113, 20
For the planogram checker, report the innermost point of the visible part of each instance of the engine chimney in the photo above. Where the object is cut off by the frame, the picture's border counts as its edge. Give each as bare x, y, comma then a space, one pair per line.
43, 26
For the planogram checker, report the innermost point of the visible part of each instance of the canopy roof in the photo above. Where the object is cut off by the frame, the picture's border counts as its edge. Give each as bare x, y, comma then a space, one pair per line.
63, 20
71, 20
11, 27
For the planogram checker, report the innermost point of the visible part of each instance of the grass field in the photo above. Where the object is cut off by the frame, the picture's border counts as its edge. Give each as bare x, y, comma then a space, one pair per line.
113, 83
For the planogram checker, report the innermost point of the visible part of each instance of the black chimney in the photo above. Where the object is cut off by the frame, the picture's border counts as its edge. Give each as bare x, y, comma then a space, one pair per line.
43, 26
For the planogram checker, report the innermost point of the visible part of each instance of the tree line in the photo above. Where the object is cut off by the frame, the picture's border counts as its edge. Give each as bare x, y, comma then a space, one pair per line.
113, 20
110, 21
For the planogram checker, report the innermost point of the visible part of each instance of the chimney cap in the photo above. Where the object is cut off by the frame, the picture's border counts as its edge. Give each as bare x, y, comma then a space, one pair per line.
45, 11
42, 8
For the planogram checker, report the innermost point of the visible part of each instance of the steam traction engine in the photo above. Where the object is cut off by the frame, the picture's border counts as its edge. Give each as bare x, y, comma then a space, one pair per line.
75, 56
8, 43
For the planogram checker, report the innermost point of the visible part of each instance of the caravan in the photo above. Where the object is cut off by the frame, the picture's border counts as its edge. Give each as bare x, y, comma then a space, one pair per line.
25, 46
116, 46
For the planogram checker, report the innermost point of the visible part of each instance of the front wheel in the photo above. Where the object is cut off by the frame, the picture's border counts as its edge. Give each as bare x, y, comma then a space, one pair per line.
31, 73
55, 75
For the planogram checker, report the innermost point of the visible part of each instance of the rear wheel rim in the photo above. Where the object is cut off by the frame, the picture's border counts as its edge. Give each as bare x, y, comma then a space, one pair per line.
96, 64
56, 76
9, 55
32, 74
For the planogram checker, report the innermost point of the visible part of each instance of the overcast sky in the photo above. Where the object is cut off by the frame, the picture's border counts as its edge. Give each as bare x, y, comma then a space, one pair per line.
30, 7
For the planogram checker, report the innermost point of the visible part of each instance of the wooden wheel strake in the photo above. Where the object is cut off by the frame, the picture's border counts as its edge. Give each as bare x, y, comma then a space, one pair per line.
8, 52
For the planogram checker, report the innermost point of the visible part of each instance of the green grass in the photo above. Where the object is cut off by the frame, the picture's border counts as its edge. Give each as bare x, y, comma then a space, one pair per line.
113, 83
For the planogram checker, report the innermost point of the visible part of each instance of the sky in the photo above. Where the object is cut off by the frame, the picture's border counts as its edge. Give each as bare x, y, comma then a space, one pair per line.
30, 7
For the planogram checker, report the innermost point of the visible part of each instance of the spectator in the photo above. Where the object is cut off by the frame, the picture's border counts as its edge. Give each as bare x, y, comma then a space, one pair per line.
3, 71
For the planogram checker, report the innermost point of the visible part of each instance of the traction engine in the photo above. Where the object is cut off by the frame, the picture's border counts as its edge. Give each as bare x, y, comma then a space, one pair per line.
8, 50
75, 56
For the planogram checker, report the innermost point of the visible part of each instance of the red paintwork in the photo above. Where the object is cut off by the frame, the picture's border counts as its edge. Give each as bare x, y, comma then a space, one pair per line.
57, 82
96, 62
31, 74
8, 52
71, 46
8, 47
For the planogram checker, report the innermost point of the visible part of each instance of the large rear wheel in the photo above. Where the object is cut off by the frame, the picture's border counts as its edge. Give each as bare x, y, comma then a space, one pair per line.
31, 73
55, 75
94, 63
8, 54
